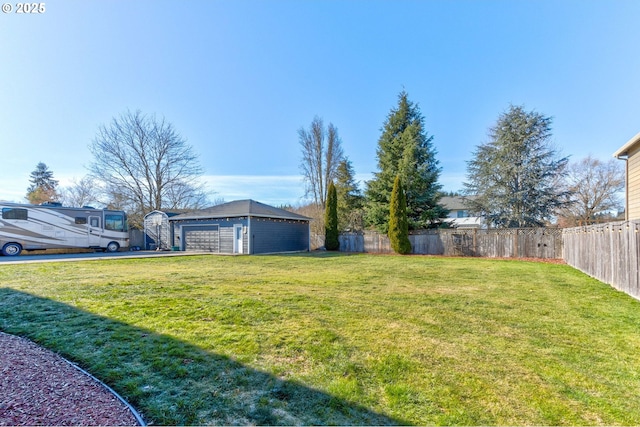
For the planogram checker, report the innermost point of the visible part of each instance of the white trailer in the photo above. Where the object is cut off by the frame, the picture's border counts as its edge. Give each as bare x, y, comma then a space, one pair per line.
52, 226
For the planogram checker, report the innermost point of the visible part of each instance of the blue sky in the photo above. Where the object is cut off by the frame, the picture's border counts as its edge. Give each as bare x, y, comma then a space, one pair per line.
238, 79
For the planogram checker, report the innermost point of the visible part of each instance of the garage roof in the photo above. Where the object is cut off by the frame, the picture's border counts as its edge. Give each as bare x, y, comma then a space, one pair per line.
246, 207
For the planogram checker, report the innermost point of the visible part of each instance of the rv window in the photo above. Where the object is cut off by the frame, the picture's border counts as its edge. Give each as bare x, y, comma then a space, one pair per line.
81, 220
95, 222
14, 213
114, 222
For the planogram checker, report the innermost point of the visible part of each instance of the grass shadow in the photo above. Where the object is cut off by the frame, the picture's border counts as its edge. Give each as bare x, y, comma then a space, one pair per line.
171, 382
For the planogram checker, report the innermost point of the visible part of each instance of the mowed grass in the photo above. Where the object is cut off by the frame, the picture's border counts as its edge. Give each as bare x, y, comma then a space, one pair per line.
339, 339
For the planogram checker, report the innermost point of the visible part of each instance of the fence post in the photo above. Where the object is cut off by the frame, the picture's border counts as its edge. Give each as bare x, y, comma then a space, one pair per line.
475, 242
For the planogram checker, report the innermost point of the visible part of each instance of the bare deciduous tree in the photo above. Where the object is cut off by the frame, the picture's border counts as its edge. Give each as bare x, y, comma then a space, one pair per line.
144, 164
321, 155
83, 192
595, 186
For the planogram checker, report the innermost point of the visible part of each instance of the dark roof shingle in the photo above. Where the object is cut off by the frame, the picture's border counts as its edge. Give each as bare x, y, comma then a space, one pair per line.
236, 208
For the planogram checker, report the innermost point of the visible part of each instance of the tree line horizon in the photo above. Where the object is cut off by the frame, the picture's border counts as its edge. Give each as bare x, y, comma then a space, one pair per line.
516, 179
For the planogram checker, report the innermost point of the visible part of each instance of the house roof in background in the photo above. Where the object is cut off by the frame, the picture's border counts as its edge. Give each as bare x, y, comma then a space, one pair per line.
237, 208
624, 150
456, 203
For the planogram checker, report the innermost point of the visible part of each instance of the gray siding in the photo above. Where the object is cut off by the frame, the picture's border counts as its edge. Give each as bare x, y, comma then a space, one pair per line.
268, 235
213, 235
226, 239
278, 235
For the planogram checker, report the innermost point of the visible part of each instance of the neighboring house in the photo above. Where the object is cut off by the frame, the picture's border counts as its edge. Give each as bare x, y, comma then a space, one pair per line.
630, 152
240, 227
459, 215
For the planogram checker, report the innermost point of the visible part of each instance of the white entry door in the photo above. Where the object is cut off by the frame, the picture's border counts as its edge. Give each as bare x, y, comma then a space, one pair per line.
95, 230
237, 239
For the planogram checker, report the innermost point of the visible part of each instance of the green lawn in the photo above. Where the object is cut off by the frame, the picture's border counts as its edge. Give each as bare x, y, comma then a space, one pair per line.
337, 339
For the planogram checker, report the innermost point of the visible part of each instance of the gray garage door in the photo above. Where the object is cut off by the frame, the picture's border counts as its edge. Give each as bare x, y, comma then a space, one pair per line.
202, 238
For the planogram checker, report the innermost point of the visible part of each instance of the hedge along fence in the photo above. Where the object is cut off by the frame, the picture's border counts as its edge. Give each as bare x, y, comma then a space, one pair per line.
494, 243
609, 252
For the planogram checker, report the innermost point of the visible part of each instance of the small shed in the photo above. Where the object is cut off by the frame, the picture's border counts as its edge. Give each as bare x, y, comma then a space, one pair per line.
241, 227
157, 231
630, 153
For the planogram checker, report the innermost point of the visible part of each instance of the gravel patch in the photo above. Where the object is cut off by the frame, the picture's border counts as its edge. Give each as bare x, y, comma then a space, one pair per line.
38, 387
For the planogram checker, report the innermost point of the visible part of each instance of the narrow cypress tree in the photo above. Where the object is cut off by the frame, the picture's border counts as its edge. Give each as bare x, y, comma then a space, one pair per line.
398, 222
331, 237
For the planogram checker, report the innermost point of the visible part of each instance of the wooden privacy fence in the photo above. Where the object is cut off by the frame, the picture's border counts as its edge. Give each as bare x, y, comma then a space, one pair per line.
609, 252
494, 243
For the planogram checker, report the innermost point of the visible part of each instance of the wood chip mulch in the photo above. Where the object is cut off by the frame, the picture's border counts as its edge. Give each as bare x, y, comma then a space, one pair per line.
38, 387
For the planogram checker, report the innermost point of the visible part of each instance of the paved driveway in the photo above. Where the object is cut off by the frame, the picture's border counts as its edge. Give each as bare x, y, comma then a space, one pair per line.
44, 257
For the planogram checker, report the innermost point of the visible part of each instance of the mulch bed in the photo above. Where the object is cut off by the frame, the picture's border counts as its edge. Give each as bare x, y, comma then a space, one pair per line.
38, 387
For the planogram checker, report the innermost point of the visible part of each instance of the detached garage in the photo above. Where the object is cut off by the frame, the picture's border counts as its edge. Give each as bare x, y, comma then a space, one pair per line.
241, 227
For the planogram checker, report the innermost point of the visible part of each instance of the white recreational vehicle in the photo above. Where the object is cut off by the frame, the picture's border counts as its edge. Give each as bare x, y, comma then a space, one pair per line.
52, 226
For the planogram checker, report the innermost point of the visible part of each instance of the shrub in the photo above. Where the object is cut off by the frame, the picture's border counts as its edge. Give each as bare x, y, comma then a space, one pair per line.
398, 222
331, 239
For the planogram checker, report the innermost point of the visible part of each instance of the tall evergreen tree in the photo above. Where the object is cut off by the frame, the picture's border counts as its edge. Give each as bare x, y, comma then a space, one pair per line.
350, 198
331, 236
398, 223
516, 177
405, 149
43, 187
